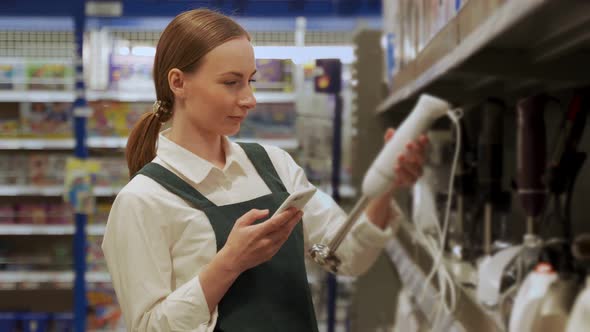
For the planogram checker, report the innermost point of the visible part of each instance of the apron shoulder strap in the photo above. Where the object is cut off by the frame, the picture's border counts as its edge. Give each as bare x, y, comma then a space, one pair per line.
264, 166
175, 184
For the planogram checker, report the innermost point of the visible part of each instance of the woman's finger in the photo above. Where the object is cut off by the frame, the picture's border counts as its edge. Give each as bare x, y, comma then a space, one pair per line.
388, 134
413, 154
408, 171
280, 236
275, 223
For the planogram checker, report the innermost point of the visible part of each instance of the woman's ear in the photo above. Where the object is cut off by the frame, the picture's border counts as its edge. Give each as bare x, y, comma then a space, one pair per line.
176, 82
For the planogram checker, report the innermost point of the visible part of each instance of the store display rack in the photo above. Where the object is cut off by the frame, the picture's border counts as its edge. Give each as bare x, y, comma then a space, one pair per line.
110, 143
516, 47
50, 277
20, 229
50, 191
413, 263
128, 96
505, 48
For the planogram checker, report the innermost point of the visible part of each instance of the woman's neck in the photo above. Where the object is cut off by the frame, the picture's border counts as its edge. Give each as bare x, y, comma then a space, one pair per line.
206, 145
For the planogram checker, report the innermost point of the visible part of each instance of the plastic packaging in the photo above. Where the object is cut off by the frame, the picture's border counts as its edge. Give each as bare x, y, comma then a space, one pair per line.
530, 296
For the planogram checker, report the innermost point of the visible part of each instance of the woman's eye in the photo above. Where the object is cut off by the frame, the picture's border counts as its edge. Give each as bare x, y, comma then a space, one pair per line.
230, 83
252, 81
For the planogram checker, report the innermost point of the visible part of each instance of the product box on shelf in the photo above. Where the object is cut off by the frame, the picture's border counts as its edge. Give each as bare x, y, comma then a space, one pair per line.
271, 121
49, 75
101, 214
274, 75
46, 169
12, 74
7, 214
31, 213
9, 127
94, 257
409, 32
104, 313
59, 214
13, 169
113, 172
114, 118
46, 119
9, 120
36, 213
131, 72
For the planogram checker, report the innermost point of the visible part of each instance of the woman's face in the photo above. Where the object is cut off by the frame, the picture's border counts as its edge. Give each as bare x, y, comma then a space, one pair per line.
218, 95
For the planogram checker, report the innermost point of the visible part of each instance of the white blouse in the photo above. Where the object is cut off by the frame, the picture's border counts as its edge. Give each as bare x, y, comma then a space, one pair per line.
155, 244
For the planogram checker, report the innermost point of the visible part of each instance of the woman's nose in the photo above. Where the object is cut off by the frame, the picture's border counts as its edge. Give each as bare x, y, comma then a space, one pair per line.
248, 100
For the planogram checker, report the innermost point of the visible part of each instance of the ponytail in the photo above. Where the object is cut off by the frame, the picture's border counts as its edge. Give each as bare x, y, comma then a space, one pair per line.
141, 145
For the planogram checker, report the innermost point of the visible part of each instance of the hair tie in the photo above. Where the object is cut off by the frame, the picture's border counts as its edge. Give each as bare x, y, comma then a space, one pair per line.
162, 110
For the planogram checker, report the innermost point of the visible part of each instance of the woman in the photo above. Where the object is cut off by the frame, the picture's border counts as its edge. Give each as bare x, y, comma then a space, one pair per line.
188, 243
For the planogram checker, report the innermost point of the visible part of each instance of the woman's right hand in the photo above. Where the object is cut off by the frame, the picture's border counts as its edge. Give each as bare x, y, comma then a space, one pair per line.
249, 245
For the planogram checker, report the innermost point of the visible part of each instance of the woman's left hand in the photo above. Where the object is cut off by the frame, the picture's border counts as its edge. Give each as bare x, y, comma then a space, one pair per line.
409, 166
407, 171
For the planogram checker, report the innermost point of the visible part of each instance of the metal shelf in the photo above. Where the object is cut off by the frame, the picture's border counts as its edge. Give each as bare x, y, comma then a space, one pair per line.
92, 230
60, 143
41, 96
50, 277
112, 143
274, 97
128, 96
49, 191
36, 144
412, 263
521, 47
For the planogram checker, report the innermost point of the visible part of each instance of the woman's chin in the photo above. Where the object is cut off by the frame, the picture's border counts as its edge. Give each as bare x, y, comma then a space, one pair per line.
234, 130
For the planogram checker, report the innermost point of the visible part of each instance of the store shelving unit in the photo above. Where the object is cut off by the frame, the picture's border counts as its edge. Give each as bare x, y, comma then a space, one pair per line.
504, 48
19, 229
58, 144
128, 96
41, 277
49, 191
507, 48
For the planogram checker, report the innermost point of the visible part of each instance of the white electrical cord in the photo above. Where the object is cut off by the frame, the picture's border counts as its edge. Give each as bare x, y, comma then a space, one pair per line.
436, 248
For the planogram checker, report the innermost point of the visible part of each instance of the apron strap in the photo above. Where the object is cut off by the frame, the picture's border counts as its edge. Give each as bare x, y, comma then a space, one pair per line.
176, 185
264, 166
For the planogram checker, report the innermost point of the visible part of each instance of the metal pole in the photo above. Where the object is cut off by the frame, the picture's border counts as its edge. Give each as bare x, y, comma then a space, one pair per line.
80, 151
336, 167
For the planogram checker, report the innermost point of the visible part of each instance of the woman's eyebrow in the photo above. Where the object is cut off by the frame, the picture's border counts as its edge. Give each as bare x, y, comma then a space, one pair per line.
238, 74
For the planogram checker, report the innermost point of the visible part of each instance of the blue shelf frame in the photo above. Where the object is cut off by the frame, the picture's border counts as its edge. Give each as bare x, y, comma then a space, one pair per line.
260, 8
80, 151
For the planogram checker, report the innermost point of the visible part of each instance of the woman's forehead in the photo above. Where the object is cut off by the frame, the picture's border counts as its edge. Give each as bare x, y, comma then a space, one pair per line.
236, 55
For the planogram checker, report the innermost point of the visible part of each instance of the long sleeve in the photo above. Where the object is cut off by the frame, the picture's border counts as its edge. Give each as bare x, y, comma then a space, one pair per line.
323, 217
137, 250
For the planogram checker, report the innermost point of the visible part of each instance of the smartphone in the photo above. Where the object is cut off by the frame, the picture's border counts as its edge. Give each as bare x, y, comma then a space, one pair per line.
297, 200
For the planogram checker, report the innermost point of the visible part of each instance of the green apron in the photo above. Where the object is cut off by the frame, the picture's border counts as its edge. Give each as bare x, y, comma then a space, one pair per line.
273, 296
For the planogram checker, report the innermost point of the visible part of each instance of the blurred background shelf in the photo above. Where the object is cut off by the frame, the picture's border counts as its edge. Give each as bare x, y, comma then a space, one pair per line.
49, 191
114, 143
16, 229
125, 96
505, 48
36, 96
413, 264
40, 277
